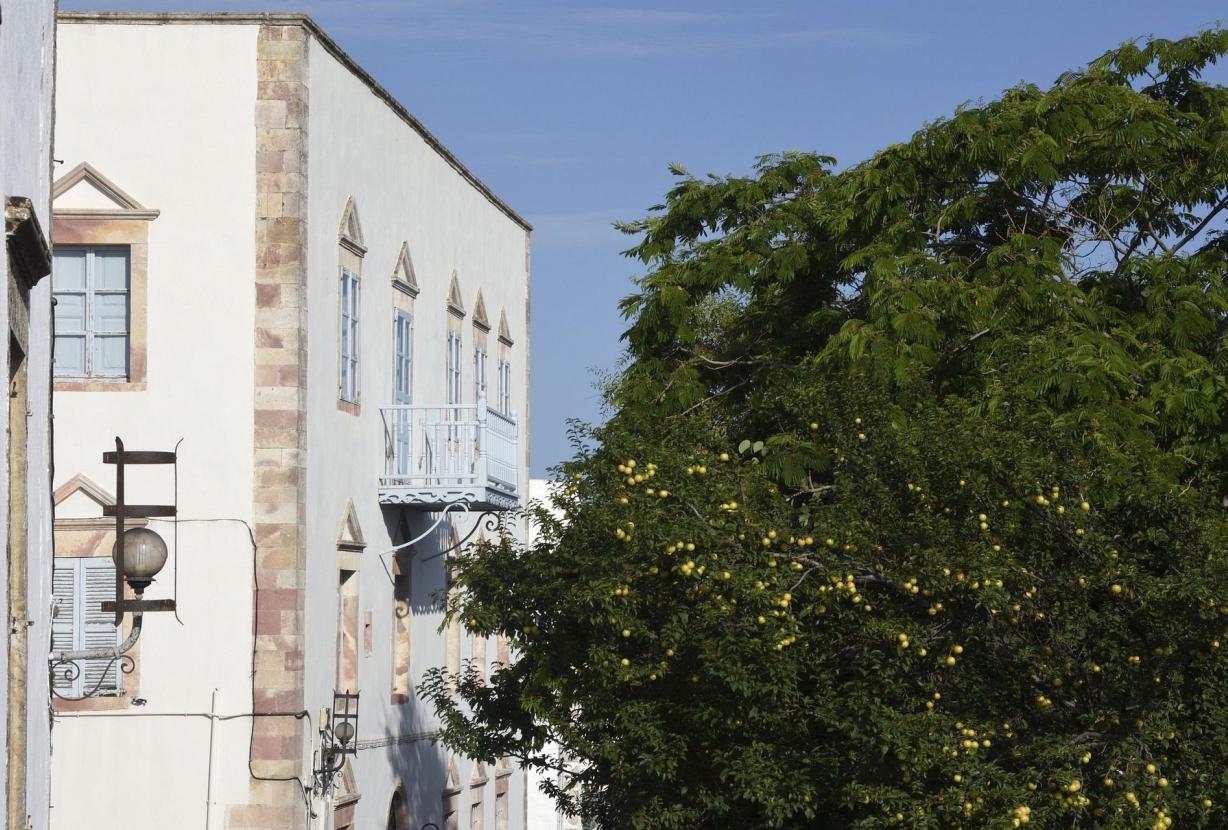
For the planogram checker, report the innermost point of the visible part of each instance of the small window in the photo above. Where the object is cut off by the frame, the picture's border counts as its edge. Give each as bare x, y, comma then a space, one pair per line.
454, 368
505, 387
349, 336
403, 357
92, 312
479, 375
79, 587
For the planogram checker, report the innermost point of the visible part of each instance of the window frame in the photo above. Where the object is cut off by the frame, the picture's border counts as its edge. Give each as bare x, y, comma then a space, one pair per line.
89, 293
402, 359
479, 374
505, 386
454, 375
79, 566
349, 363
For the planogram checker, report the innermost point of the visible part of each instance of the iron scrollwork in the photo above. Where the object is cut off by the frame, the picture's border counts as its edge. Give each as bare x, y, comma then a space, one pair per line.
69, 670
489, 520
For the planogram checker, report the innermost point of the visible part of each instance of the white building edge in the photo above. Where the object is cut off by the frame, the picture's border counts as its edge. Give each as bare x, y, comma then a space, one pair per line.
27, 54
260, 252
540, 809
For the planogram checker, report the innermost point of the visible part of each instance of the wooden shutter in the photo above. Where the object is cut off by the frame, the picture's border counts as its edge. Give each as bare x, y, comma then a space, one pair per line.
345, 336
403, 359
63, 625
70, 287
354, 288
109, 312
97, 630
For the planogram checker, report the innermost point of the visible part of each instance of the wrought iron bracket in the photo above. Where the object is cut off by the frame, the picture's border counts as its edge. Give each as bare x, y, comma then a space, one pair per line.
66, 665
488, 520
332, 749
69, 670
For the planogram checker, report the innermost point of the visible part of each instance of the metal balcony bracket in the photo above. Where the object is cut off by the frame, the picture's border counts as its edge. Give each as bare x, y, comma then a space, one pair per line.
66, 665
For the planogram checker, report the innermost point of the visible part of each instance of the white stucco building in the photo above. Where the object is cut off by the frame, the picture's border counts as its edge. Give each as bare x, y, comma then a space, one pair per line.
541, 813
262, 253
27, 55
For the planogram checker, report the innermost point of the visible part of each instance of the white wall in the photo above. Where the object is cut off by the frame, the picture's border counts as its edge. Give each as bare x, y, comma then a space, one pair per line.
404, 191
181, 139
541, 811
27, 50
166, 112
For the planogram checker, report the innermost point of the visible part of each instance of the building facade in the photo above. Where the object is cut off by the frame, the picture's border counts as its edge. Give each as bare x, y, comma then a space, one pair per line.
27, 55
263, 260
541, 811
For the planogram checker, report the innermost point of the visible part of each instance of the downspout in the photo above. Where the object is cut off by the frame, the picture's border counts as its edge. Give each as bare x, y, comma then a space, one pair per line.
210, 806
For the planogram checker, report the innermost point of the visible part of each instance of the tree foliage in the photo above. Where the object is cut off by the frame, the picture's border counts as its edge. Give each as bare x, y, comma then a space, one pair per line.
911, 509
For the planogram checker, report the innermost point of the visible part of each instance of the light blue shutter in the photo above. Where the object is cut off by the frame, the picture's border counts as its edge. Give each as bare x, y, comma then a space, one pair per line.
109, 315
69, 286
505, 387
453, 368
354, 339
402, 392
479, 375
344, 328
64, 591
98, 629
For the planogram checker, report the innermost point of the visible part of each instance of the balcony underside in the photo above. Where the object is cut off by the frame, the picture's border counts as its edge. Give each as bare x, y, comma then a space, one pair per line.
435, 499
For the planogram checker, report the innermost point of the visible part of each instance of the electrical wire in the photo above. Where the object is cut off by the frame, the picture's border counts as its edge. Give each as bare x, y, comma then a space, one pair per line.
251, 742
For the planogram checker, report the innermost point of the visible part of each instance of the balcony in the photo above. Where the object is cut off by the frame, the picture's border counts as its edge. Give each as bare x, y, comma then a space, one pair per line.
439, 455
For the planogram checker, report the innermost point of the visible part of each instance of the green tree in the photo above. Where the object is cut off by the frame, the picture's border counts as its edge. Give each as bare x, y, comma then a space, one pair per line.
910, 511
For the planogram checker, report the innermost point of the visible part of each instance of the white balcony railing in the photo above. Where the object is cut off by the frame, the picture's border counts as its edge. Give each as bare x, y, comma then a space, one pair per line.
433, 453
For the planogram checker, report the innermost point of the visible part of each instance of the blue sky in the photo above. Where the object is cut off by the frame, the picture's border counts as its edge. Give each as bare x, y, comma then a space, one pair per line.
571, 109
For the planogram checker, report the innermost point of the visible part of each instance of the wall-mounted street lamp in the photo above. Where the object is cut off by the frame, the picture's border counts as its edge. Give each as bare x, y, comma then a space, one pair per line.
142, 557
338, 738
139, 555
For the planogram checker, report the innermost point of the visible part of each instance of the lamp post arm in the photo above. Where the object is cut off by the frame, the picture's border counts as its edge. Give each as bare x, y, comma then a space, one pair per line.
103, 653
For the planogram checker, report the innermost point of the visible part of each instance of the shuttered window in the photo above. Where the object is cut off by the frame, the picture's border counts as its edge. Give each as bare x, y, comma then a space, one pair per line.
402, 389
403, 357
479, 375
349, 337
91, 289
505, 387
454, 368
79, 587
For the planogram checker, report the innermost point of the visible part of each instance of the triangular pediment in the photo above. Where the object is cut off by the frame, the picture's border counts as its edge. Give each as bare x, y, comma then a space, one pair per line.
350, 232
479, 313
86, 487
456, 305
479, 775
349, 536
403, 276
505, 333
80, 501
84, 190
453, 782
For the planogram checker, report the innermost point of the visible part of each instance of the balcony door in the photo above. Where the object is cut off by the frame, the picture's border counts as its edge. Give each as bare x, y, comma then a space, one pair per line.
402, 420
